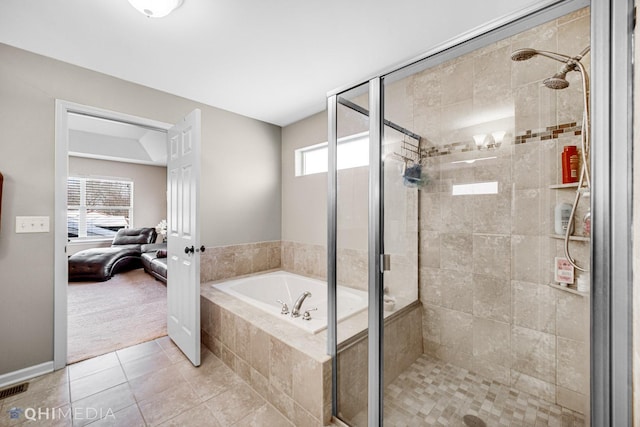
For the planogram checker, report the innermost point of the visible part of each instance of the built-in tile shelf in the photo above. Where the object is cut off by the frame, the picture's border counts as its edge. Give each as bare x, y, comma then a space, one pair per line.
570, 289
575, 238
586, 192
560, 186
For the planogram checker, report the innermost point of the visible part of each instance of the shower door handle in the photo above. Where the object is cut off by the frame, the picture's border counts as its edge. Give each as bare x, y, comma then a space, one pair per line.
385, 262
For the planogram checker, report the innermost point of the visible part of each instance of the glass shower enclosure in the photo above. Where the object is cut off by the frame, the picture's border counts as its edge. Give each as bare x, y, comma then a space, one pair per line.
450, 230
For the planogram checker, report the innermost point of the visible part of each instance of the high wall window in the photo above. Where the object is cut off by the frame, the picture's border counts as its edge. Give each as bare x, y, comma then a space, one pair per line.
353, 151
98, 208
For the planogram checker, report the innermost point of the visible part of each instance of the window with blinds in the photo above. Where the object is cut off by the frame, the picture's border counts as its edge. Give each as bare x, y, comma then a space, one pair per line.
98, 207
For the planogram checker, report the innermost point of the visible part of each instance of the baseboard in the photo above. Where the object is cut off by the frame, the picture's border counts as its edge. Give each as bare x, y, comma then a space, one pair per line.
25, 374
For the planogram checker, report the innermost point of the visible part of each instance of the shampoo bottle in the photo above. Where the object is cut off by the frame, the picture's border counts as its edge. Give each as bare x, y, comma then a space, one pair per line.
562, 215
570, 164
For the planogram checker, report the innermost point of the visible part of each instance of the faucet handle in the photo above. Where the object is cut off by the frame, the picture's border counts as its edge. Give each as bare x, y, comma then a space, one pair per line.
285, 307
307, 315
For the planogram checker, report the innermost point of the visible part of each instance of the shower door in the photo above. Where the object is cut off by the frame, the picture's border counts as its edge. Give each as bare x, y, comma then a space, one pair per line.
351, 170
471, 166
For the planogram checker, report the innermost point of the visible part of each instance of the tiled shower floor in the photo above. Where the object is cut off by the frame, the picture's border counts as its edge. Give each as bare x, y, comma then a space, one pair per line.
434, 393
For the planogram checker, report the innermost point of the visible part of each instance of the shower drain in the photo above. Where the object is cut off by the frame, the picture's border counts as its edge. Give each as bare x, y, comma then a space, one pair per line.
473, 421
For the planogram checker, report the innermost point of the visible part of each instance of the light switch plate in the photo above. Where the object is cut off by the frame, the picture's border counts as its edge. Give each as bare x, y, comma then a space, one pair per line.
32, 224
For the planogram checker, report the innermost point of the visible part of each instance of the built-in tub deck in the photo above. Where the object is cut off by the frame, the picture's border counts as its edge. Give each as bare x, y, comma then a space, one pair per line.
287, 365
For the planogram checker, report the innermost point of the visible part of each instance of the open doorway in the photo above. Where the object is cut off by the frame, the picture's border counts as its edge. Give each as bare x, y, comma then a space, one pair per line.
116, 185
112, 181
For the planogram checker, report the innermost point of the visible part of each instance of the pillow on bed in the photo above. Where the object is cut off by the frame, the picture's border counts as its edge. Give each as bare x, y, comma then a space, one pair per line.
162, 253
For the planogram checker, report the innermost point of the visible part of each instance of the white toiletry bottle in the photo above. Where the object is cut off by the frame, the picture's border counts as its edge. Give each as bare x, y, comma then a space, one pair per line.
582, 282
562, 217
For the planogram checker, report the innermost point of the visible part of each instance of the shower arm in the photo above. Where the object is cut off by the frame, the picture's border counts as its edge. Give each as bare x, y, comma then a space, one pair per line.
556, 56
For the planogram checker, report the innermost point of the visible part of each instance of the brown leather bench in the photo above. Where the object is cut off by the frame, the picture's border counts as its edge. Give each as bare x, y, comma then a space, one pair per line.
100, 264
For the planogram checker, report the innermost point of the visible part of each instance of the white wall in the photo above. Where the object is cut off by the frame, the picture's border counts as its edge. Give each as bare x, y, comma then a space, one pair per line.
240, 193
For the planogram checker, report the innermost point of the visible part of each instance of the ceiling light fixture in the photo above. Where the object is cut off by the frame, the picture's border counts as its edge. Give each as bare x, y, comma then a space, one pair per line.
156, 8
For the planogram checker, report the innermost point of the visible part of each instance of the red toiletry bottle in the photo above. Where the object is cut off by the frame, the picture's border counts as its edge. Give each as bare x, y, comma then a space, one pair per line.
570, 164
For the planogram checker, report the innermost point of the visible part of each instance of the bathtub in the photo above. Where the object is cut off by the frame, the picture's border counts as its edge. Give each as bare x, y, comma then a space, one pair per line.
263, 290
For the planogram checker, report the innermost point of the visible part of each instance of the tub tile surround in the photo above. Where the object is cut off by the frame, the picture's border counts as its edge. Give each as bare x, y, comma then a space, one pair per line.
486, 260
284, 364
288, 366
224, 262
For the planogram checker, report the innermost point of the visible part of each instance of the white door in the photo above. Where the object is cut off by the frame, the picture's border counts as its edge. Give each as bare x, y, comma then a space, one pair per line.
183, 254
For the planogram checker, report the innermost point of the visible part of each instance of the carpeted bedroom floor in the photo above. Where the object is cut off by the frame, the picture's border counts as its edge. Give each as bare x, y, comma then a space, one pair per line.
129, 309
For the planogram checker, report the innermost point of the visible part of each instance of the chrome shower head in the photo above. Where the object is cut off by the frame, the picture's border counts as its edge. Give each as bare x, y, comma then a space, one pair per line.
558, 81
523, 54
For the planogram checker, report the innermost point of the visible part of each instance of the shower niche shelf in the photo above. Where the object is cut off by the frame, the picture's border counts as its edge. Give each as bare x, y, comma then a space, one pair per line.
573, 238
569, 289
561, 186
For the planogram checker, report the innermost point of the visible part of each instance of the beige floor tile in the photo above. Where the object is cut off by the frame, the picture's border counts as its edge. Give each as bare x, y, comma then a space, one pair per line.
148, 386
11, 416
265, 416
208, 383
175, 355
52, 398
127, 417
137, 351
91, 366
102, 404
95, 383
166, 343
49, 381
199, 416
61, 417
168, 405
207, 361
147, 364
232, 405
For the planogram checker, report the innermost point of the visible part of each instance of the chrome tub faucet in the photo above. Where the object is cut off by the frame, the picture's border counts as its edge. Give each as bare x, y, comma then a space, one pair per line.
295, 310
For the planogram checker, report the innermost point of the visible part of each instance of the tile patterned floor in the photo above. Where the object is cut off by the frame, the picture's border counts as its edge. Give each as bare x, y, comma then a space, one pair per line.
145, 385
434, 393
154, 384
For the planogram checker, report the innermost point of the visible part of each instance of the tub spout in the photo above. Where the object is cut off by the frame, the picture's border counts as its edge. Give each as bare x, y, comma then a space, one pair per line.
295, 311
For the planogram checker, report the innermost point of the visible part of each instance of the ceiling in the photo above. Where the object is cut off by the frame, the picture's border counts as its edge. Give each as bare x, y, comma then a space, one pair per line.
104, 139
272, 60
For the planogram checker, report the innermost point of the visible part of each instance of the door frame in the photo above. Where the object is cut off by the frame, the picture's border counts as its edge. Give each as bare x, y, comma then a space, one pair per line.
63, 108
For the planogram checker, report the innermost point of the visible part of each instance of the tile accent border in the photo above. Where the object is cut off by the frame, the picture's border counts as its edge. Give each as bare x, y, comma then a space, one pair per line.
550, 132
522, 137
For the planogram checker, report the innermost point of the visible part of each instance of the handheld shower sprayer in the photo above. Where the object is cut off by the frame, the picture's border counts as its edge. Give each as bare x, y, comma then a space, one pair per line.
559, 81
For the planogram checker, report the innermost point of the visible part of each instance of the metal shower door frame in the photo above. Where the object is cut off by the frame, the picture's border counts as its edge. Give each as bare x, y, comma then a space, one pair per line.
611, 248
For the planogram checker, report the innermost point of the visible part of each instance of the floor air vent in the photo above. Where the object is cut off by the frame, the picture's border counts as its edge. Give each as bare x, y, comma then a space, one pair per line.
12, 391
473, 421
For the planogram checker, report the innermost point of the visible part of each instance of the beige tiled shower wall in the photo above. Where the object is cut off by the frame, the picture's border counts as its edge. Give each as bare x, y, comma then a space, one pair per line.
224, 262
486, 260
